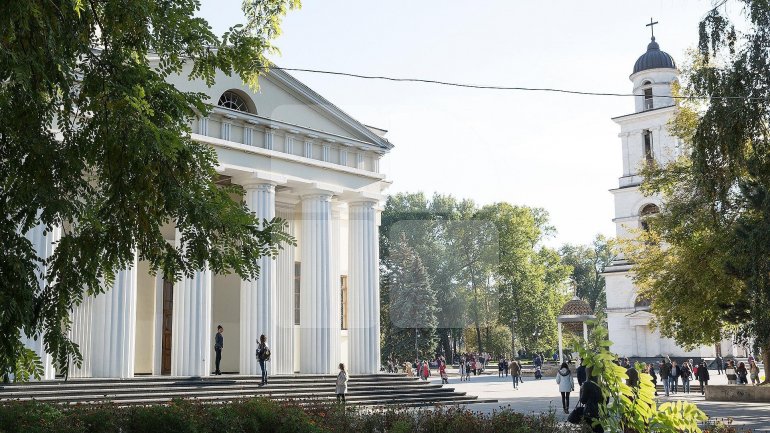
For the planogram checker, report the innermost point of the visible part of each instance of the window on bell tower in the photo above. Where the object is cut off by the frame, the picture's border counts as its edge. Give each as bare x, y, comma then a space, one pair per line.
649, 156
647, 95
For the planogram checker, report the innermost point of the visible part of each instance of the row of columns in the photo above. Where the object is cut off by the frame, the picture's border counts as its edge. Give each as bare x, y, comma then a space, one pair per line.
104, 327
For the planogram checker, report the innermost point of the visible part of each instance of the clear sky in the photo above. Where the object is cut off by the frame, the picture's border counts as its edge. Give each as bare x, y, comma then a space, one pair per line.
555, 151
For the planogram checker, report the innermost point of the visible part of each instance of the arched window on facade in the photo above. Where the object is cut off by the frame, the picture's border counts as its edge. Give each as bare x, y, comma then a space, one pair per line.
647, 210
641, 304
235, 101
647, 95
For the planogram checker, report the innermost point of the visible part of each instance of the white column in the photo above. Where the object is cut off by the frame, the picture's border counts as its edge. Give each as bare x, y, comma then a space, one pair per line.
191, 329
80, 334
44, 243
561, 351
258, 297
268, 139
585, 332
317, 311
363, 288
114, 327
283, 345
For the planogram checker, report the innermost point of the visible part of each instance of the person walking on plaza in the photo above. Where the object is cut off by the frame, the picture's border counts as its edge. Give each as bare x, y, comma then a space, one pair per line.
732, 377
673, 377
720, 365
263, 356
500, 368
703, 377
581, 373
566, 385
665, 371
651, 371
686, 373
590, 396
461, 368
754, 372
742, 373
515, 373
442, 372
425, 371
219, 344
506, 367
342, 384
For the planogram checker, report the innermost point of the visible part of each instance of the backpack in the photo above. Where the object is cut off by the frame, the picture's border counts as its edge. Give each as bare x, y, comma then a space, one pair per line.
263, 354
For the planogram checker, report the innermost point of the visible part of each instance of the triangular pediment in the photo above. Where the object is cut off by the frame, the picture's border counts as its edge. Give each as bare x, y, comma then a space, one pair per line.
283, 98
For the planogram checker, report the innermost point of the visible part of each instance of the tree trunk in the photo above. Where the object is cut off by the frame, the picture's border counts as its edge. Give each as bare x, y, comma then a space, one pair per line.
765, 346
513, 341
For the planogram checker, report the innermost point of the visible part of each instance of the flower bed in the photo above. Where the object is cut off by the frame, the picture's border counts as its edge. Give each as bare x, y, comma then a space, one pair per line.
262, 415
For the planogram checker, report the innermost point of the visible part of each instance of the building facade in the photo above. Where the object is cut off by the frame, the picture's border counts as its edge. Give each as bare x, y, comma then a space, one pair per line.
298, 157
644, 139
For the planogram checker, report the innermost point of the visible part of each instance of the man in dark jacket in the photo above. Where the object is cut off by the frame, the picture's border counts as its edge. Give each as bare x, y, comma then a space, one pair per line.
665, 370
581, 374
591, 396
703, 376
720, 364
219, 344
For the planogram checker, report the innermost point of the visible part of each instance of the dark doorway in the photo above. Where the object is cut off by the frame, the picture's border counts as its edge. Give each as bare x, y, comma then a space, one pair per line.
168, 311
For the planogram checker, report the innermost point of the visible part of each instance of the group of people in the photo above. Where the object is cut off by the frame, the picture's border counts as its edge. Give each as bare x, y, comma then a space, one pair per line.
469, 364
262, 354
590, 394
671, 373
740, 375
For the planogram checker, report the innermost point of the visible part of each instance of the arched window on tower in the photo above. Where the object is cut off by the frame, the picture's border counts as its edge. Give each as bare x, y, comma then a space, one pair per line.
235, 101
647, 210
649, 155
647, 95
641, 304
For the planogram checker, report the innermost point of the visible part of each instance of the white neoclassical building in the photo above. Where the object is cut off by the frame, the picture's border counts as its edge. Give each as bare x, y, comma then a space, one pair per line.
644, 138
299, 157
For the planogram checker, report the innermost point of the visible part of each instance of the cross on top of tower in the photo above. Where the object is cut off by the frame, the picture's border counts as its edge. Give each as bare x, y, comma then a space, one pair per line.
651, 25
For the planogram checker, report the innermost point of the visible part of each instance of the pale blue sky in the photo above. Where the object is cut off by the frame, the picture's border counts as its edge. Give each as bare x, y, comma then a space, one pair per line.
554, 151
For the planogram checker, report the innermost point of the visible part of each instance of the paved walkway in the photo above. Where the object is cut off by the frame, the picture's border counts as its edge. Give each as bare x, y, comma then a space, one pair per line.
542, 395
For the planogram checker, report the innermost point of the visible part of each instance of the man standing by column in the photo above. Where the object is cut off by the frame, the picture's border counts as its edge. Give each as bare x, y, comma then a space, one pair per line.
219, 344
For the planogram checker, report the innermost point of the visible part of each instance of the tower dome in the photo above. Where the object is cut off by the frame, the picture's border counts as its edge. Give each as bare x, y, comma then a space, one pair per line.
654, 58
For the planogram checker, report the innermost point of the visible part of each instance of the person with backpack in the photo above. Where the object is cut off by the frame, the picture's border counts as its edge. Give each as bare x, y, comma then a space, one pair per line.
263, 356
590, 397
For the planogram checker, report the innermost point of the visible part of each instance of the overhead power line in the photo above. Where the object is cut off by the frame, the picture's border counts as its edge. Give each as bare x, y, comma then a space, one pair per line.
497, 87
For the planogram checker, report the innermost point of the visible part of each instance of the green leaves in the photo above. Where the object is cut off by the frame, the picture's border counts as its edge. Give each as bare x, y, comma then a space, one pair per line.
626, 408
93, 139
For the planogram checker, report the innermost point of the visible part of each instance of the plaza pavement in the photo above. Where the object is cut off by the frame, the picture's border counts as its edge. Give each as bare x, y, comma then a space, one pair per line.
542, 395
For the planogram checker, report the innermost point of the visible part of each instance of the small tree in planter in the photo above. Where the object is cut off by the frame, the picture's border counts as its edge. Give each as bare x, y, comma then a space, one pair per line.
632, 409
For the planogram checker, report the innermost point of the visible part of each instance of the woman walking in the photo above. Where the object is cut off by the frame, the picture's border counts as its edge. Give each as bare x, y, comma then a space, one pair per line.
686, 373
515, 373
732, 378
566, 385
342, 384
703, 377
461, 367
742, 373
754, 372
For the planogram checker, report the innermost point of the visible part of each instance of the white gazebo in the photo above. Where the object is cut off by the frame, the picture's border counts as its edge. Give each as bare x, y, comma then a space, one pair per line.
574, 315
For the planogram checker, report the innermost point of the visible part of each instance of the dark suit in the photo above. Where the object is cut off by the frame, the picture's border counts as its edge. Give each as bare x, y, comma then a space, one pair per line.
219, 343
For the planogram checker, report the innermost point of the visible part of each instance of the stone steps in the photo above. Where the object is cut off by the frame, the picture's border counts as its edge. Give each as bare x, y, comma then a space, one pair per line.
370, 390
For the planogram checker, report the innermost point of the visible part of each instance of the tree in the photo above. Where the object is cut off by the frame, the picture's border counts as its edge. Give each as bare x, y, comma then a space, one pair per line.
93, 138
413, 305
530, 279
712, 235
588, 263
